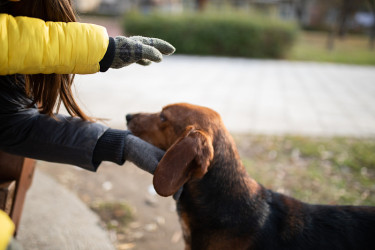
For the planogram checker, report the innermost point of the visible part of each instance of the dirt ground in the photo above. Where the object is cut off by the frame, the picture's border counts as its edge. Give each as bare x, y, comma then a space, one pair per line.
155, 222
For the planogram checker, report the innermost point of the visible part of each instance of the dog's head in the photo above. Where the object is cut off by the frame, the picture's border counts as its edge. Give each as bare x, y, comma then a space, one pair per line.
187, 133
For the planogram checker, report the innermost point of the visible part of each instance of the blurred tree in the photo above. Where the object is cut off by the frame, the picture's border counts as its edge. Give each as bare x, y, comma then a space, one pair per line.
338, 16
300, 9
347, 9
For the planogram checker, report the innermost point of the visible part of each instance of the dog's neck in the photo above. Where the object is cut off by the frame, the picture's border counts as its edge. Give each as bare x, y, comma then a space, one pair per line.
228, 169
226, 185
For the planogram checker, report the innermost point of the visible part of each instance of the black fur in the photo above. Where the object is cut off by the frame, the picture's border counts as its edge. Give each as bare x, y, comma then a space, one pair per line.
220, 205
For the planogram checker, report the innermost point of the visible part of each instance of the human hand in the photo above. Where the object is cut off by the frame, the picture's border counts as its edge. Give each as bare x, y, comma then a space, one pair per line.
141, 50
145, 156
142, 153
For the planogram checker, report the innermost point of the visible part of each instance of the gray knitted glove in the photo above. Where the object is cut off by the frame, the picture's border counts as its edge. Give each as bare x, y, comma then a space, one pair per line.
138, 49
142, 154
145, 156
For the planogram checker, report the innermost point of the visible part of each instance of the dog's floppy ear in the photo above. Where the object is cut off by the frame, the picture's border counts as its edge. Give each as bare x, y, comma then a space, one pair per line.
189, 157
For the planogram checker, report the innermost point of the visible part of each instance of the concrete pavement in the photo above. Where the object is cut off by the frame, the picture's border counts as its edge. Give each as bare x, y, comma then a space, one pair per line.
252, 96
55, 219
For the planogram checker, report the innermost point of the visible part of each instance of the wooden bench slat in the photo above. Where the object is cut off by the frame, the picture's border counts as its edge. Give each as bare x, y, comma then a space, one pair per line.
7, 190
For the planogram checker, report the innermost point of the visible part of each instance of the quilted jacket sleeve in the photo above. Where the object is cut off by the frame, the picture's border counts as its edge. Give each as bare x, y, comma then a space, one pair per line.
32, 46
7, 229
24, 131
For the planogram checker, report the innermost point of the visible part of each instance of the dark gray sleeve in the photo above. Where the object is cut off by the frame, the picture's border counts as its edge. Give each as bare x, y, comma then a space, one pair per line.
25, 132
63, 139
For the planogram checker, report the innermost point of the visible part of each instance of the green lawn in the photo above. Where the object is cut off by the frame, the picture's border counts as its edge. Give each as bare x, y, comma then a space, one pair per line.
312, 46
315, 170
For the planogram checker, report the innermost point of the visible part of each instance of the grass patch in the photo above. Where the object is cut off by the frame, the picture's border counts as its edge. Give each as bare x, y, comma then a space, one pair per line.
311, 46
115, 215
315, 170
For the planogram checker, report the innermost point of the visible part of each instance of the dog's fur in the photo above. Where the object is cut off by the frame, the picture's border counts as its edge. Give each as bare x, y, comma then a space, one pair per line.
221, 207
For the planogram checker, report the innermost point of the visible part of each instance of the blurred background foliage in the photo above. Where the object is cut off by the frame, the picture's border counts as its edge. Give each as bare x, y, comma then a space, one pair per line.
339, 31
221, 34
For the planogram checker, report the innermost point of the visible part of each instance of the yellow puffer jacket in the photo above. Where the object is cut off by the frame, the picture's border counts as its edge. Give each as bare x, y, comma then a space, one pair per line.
31, 46
6, 230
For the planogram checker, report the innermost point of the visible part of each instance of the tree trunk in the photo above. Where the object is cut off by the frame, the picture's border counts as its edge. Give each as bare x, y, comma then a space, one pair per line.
342, 25
345, 10
331, 39
300, 8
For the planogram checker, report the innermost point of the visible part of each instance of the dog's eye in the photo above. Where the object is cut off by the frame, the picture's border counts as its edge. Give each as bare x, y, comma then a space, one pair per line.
162, 118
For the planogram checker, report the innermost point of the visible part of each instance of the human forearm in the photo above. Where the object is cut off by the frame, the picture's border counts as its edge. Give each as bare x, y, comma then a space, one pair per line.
31, 46
120, 145
64, 140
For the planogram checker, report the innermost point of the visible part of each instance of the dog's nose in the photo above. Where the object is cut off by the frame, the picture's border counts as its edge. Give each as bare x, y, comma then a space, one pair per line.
128, 117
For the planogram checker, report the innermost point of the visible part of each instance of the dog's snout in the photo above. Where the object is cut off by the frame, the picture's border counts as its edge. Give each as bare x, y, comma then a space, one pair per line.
129, 117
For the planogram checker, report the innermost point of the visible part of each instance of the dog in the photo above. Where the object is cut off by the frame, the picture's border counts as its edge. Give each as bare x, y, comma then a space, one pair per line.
222, 207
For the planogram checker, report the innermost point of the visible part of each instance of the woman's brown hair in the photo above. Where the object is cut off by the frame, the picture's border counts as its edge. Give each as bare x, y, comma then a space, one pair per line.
49, 90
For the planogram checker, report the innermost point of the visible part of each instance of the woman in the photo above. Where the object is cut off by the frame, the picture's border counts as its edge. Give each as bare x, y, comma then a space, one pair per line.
38, 57
41, 47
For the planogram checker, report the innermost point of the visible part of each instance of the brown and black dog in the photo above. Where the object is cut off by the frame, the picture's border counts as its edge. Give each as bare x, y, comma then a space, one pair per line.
222, 207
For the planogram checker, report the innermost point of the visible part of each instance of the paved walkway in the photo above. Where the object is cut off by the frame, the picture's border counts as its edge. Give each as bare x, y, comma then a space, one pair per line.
253, 96
55, 219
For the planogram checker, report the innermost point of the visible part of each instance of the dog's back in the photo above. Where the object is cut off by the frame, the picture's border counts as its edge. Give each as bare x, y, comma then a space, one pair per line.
225, 210
304, 226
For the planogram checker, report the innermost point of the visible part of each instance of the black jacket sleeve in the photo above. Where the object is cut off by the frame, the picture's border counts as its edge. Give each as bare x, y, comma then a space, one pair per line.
107, 60
24, 131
